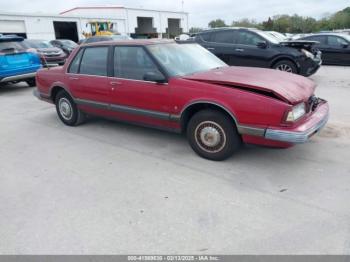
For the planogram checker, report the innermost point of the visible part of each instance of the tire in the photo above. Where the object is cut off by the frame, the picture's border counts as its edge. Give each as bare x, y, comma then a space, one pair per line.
31, 82
213, 135
286, 66
67, 110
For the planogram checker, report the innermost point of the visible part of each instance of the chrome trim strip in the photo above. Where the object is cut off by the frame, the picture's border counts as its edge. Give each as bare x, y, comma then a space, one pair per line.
18, 77
208, 102
124, 109
252, 131
295, 137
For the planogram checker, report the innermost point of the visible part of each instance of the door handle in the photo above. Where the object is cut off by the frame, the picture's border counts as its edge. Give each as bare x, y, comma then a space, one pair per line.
210, 48
74, 78
239, 50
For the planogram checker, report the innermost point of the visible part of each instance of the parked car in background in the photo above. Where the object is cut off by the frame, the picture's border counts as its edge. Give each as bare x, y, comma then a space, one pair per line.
184, 88
65, 44
335, 47
17, 64
252, 47
95, 39
50, 55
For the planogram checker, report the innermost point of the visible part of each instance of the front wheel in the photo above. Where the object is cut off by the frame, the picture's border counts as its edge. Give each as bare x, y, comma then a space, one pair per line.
67, 110
213, 135
286, 66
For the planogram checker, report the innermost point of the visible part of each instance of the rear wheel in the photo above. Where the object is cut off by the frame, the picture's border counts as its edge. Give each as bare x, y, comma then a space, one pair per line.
213, 135
31, 82
286, 66
67, 110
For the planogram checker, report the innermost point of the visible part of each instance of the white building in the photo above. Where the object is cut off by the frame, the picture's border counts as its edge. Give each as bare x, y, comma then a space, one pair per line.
72, 23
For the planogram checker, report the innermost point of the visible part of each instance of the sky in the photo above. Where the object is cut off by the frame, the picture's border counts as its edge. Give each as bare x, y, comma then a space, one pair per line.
200, 11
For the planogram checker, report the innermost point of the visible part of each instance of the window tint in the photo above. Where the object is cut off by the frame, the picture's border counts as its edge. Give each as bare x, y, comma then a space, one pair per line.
224, 37
74, 66
248, 38
132, 62
205, 36
94, 61
336, 41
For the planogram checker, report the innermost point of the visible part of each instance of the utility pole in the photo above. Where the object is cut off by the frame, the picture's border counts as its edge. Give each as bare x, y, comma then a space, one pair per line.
182, 5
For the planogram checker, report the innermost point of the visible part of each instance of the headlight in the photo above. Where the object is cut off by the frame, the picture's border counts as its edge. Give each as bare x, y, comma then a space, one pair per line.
307, 54
297, 112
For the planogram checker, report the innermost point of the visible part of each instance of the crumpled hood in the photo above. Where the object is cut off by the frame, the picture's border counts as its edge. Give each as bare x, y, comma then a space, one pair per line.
289, 87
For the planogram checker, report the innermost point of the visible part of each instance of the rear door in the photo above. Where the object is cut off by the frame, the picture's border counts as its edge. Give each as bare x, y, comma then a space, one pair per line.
87, 77
322, 46
221, 44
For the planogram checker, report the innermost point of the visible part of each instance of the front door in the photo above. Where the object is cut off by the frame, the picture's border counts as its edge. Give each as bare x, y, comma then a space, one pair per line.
338, 50
133, 98
248, 53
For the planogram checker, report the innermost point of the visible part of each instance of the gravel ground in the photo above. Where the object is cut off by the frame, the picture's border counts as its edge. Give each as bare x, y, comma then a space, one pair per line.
111, 188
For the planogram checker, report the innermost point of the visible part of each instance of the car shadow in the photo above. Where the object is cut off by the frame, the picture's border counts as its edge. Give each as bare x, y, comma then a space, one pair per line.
14, 88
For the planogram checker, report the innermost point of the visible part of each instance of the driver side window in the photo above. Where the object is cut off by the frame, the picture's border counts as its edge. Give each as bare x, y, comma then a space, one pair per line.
336, 41
248, 38
132, 62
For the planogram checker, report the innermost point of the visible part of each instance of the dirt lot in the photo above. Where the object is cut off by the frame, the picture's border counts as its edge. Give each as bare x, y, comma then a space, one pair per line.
111, 188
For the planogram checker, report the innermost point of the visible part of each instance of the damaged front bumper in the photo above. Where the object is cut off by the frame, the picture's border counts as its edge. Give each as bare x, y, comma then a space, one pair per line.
302, 132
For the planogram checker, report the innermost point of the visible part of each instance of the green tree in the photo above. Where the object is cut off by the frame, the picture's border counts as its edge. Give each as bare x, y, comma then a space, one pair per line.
217, 23
194, 30
245, 22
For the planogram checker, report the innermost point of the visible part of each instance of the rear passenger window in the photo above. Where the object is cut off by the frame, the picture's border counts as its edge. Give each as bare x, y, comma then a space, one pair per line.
223, 37
321, 39
74, 66
94, 61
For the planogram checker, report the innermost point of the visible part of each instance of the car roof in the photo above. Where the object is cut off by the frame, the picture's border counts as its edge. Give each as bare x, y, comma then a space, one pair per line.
135, 42
328, 33
228, 28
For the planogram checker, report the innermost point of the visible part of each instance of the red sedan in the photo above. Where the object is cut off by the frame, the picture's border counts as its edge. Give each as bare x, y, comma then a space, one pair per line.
186, 89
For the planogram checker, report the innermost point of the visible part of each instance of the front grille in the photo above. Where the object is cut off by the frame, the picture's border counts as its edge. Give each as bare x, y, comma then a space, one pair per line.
312, 103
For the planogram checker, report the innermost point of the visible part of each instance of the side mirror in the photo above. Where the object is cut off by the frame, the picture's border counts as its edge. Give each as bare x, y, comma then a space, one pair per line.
154, 77
345, 45
261, 44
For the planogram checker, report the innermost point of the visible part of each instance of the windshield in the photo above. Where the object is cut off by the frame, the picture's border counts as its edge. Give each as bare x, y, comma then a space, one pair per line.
69, 43
184, 59
121, 37
347, 37
271, 38
38, 44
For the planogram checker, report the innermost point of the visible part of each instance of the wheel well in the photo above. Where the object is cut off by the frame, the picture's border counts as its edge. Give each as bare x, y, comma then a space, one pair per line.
287, 59
55, 91
193, 109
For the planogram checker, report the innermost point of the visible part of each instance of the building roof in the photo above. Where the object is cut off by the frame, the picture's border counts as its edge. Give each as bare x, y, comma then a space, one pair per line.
116, 7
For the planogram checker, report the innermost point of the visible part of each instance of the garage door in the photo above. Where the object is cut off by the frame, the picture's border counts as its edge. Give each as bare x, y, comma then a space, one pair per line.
12, 26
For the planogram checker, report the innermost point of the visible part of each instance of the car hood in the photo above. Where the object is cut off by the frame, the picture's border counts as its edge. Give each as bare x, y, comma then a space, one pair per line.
290, 88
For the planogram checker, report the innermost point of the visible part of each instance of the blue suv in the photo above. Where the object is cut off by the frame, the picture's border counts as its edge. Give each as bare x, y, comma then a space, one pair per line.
16, 63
